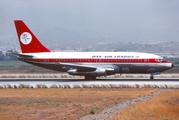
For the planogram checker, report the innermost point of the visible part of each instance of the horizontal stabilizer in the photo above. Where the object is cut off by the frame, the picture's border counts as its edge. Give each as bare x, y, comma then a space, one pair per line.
19, 55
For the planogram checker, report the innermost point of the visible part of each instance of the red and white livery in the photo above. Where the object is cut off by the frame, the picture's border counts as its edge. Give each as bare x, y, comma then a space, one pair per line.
88, 64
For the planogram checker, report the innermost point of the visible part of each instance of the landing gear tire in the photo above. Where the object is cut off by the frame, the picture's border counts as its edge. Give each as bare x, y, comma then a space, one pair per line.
90, 78
151, 77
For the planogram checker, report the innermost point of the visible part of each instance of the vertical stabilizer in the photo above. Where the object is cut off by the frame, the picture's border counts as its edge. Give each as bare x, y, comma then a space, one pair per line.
28, 41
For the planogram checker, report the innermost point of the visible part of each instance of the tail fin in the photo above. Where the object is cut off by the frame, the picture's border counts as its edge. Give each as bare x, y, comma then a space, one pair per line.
28, 42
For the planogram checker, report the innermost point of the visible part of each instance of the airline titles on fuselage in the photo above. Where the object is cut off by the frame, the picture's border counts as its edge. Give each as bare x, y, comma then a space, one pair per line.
115, 56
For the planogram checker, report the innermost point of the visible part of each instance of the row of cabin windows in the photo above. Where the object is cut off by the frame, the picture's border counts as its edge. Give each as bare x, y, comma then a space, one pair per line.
99, 60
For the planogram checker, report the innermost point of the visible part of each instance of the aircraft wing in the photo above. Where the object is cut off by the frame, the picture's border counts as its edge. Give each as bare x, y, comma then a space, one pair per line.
87, 70
85, 67
79, 67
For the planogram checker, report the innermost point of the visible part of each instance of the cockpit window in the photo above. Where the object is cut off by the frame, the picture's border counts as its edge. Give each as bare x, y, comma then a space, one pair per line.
160, 59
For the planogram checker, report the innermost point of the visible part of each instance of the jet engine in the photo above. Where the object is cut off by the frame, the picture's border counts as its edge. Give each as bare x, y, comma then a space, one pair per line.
97, 72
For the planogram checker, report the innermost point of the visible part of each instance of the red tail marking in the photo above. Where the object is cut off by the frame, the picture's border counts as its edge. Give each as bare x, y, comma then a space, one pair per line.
28, 42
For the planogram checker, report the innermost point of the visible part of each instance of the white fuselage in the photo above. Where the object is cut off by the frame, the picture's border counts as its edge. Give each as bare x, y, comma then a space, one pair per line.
121, 62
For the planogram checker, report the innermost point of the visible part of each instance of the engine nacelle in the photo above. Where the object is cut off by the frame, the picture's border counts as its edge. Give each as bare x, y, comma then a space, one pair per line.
97, 72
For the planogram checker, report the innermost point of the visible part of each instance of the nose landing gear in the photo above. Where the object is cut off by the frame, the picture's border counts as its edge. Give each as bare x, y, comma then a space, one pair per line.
152, 75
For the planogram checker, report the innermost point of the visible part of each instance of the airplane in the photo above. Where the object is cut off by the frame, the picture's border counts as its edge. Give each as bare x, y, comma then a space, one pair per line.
87, 64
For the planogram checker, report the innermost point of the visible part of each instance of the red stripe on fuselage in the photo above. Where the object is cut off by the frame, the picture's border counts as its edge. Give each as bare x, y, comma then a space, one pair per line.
94, 60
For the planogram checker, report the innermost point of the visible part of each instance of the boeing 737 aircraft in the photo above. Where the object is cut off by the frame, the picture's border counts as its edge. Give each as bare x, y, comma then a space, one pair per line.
87, 64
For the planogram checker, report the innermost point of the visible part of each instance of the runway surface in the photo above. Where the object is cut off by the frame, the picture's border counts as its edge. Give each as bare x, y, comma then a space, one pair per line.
174, 82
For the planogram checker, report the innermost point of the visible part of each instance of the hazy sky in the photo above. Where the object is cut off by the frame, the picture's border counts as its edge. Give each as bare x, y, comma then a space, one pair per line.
98, 20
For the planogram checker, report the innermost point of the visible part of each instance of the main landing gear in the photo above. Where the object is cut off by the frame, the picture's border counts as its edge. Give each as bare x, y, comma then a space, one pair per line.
151, 77
90, 77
